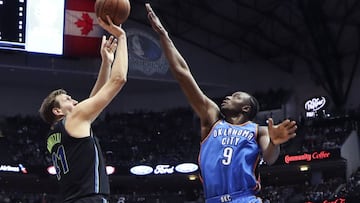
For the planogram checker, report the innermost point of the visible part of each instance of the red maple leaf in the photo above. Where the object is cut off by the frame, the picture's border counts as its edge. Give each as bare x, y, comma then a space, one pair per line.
85, 23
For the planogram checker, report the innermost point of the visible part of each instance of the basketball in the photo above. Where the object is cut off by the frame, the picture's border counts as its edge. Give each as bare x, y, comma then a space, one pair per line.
118, 10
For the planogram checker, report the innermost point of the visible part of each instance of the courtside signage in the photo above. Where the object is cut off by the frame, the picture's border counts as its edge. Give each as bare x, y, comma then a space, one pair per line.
307, 157
16, 169
162, 169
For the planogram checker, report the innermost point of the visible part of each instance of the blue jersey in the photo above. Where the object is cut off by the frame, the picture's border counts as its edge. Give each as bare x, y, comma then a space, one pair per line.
228, 158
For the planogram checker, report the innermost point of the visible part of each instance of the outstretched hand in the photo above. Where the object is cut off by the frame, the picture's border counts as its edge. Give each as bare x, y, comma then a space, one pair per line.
154, 21
108, 48
113, 29
282, 132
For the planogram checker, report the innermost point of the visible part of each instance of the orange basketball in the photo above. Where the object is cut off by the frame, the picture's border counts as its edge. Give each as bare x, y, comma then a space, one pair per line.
118, 10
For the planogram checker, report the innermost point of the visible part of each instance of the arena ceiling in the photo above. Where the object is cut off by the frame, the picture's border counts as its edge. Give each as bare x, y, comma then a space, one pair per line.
322, 34
278, 31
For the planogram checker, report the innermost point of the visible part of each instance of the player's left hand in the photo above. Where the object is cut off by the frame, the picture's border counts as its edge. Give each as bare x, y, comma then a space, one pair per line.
155, 21
108, 47
282, 132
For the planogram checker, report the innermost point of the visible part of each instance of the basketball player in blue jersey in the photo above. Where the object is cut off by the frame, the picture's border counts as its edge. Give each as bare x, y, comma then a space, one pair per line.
231, 144
75, 151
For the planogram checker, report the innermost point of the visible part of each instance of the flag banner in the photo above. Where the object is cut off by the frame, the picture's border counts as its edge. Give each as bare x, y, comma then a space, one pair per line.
82, 35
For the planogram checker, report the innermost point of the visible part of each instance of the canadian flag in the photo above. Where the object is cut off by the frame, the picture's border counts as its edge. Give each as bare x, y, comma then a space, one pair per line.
82, 35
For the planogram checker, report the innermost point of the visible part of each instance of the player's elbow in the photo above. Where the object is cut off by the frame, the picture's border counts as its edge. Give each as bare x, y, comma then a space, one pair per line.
119, 80
270, 161
182, 74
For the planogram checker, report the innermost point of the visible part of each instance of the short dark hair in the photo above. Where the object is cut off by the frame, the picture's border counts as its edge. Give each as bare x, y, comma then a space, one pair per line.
255, 107
48, 104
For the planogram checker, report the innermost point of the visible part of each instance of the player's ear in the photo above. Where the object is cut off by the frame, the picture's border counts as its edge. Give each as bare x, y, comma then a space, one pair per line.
246, 108
57, 111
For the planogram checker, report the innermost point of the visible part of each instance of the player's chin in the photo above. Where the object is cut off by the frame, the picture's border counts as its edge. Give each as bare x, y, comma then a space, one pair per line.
223, 108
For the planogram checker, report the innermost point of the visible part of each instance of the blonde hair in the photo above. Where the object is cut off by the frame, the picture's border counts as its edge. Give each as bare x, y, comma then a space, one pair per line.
48, 104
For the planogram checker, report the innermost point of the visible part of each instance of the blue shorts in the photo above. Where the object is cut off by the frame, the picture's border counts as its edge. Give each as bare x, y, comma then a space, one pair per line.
236, 197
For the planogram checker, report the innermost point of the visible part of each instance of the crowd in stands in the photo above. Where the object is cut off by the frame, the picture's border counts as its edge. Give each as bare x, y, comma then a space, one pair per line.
140, 137
169, 137
150, 138
21, 197
327, 135
336, 189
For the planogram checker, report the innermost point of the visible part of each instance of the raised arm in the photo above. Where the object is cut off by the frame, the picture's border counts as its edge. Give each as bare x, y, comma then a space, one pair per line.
272, 136
88, 110
205, 108
107, 50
